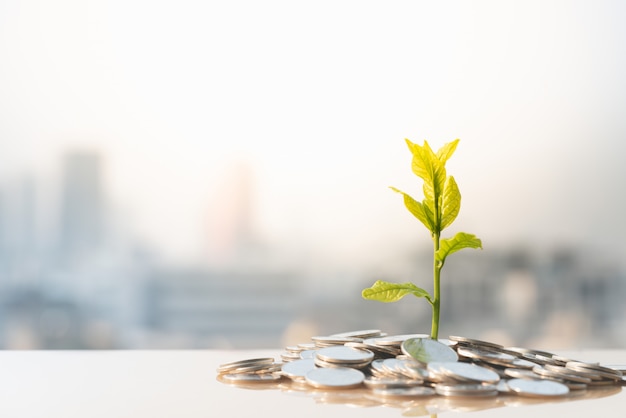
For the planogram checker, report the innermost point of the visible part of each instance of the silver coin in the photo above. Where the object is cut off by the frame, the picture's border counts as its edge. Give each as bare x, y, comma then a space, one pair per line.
562, 359
307, 346
377, 365
265, 377
394, 340
341, 377
575, 386
321, 363
604, 382
497, 369
594, 375
244, 363
447, 342
473, 342
328, 341
390, 382
466, 390
503, 387
260, 368
369, 333
530, 351
378, 350
617, 367
290, 356
538, 388
425, 350
392, 366
345, 355
521, 373
411, 392
595, 368
412, 369
486, 355
467, 372
549, 360
520, 363
304, 354
562, 373
298, 369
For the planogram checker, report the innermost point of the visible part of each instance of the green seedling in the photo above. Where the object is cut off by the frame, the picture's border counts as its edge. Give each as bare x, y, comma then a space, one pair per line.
440, 207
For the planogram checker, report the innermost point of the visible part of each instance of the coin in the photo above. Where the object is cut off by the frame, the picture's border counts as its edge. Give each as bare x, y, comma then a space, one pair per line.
304, 354
307, 346
595, 368
473, 342
537, 388
390, 382
321, 363
258, 368
521, 373
341, 377
392, 366
265, 377
486, 355
617, 367
379, 351
426, 350
223, 368
394, 340
298, 369
520, 363
530, 351
344, 355
328, 341
290, 356
466, 372
466, 390
369, 333
411, 392
562, 373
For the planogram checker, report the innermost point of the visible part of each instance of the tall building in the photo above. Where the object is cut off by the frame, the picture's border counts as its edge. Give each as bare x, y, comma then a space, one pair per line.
82, 203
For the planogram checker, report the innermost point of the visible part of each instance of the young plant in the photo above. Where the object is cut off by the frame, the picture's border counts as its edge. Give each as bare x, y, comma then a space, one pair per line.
440, 207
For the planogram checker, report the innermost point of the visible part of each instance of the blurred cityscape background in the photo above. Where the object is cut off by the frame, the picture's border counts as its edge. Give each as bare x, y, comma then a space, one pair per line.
209, 175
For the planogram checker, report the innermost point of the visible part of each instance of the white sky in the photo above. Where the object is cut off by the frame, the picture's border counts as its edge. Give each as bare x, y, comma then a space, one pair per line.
318, 96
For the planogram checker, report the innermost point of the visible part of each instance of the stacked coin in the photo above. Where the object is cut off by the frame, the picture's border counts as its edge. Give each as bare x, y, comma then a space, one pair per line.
413, 365
342, 356
250, 370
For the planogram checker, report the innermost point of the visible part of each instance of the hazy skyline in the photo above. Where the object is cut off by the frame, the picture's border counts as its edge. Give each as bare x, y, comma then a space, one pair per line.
316, 99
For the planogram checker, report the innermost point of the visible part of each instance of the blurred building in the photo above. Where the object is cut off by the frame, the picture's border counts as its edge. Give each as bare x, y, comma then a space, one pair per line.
86, 292
82, 223
220, 308
231, 236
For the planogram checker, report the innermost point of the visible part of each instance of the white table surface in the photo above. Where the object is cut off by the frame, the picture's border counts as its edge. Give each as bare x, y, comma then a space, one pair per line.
153, 384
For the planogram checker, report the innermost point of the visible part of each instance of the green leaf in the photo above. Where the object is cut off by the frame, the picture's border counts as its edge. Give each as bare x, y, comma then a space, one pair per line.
417, 209
461, 240
391, 292
451, 203
425, 162
446, 151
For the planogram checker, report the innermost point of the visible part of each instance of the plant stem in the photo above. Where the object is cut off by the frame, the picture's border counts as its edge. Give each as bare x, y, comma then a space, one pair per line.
434, 330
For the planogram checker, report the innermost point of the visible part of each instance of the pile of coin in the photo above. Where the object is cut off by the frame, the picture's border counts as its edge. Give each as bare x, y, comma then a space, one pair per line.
413, 365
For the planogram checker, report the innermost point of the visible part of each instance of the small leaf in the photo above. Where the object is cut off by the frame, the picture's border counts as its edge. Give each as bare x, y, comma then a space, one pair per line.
416, 209
391, 292
426, 165
446, 151
451, 203
461, 240
428, 210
